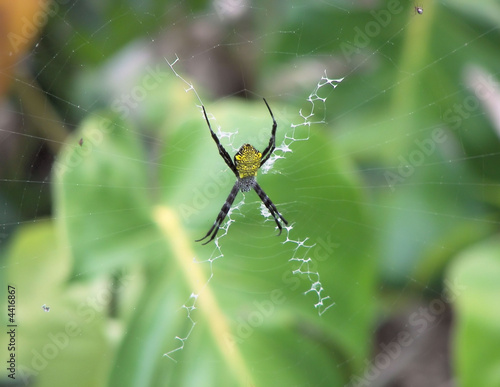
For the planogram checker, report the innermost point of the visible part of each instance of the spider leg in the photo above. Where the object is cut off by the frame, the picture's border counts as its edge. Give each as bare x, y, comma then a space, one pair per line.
270, 206
222, 214
222, 151
272, 142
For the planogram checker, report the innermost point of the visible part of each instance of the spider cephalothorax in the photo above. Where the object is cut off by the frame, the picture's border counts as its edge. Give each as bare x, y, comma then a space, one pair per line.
247, 162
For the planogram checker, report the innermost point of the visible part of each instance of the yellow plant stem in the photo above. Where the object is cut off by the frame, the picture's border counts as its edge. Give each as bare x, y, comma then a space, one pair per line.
181, 245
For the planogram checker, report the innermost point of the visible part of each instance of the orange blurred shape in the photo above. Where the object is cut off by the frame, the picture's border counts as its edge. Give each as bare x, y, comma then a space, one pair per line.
20, 24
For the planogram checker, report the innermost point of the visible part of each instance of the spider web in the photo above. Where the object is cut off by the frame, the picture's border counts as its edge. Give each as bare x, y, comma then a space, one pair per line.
300, 251
395, 158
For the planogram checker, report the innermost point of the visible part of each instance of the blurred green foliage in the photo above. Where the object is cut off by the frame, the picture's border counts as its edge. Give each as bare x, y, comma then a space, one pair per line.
397, 191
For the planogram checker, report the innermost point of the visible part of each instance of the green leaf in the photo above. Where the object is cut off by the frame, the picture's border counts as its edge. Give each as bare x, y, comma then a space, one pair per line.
102, 197
51, 346
477, 334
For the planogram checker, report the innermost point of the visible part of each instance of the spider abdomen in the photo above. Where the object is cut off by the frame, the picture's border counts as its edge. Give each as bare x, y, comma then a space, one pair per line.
247, 161
245, 184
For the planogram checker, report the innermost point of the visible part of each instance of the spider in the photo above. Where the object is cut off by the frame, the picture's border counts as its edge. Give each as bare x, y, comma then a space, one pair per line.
247, 162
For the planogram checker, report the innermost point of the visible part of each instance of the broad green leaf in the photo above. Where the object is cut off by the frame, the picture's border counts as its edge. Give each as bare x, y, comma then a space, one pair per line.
254, 307
256, 263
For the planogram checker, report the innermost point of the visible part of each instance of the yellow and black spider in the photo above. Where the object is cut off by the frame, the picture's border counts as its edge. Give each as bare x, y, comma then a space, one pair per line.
247, 162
